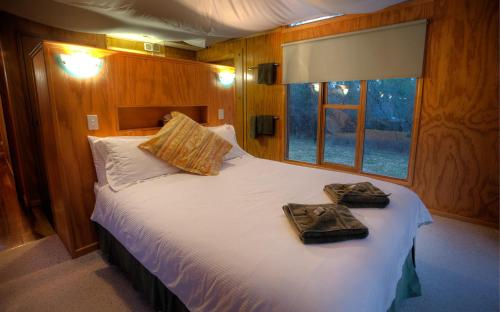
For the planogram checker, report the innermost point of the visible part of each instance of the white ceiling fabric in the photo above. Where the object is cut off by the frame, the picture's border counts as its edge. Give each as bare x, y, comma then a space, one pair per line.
175, 20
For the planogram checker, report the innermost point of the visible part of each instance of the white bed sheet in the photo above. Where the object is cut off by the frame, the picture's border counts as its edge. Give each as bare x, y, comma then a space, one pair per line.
223, 243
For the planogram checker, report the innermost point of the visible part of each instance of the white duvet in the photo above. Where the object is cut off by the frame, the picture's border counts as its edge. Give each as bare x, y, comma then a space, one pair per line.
223, 243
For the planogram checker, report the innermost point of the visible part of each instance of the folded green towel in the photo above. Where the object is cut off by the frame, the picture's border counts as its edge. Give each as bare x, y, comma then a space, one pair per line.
261, 125
357, 195
266, 73
324, 223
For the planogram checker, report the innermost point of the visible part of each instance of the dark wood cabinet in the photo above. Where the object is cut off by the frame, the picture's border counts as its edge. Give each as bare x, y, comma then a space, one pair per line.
18, 39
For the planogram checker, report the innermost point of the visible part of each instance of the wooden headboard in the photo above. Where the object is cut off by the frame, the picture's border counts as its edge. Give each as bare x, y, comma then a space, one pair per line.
129, 95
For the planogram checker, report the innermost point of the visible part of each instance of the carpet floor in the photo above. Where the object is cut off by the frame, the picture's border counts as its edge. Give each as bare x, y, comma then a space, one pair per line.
457, 263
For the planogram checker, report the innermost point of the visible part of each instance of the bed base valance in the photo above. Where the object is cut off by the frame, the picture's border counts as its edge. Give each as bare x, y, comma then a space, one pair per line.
158, 296
162, 299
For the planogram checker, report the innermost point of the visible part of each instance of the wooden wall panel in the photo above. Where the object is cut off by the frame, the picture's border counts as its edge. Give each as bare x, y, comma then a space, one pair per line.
173, 52
232, 52
263, 99
4, 151
57, 186
17, 38
253, 98
222, 51
126, 80
65, 147
456, 165
159, 82
457, 152
169, 82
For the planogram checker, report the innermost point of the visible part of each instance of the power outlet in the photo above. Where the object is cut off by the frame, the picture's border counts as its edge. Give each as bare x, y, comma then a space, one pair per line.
92, 122
220, 113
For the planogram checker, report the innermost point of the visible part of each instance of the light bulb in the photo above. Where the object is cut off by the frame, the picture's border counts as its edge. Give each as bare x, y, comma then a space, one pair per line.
80, 64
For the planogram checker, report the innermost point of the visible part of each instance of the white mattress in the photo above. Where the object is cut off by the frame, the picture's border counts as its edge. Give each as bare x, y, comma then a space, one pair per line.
223, 243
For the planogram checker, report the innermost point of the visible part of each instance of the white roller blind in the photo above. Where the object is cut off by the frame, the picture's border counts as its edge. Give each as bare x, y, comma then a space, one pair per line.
395, 51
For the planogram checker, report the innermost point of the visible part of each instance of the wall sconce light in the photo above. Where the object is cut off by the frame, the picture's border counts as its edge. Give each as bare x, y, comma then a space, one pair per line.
226, 77
80, 64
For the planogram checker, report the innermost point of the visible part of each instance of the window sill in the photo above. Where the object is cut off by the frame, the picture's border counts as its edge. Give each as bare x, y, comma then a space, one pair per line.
346, 169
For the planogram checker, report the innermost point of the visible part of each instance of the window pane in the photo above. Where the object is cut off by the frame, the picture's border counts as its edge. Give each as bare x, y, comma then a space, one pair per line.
302, 121
343, 92
340, 136
388, 126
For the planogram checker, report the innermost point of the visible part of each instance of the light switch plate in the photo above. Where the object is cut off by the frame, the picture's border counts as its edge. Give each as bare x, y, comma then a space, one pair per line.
220, 114
92, 122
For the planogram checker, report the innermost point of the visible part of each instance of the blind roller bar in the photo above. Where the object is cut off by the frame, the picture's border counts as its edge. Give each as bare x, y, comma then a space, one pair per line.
358, 32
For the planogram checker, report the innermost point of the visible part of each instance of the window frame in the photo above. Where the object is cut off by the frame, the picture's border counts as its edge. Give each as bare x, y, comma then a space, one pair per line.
323, 105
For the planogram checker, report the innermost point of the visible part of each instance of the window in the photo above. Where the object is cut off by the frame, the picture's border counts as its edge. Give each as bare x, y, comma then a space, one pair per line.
364, 126
340, 136
388, 127
344, 92
302, 125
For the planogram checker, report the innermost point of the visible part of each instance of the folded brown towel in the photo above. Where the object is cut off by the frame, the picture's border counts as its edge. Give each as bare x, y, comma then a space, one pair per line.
324, 223
357, 195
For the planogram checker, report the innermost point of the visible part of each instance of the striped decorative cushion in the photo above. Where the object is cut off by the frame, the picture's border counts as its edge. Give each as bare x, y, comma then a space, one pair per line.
189, 146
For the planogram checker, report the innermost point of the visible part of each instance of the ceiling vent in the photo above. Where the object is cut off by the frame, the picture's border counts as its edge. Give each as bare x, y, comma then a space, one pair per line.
152, 47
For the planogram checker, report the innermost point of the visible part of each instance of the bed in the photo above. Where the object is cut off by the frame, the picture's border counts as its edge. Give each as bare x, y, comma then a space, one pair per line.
223, 243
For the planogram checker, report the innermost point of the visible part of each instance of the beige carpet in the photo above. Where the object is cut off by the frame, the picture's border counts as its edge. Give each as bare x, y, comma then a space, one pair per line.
458, 267
457, 264
41, 276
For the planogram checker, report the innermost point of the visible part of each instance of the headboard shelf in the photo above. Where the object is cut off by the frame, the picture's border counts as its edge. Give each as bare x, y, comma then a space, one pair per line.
149, 117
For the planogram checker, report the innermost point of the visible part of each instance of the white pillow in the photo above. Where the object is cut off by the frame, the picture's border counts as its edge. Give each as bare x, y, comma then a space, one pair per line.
99, 160
227, 133
127, 164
